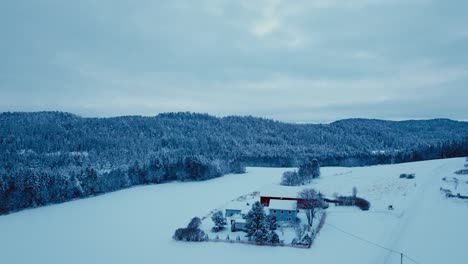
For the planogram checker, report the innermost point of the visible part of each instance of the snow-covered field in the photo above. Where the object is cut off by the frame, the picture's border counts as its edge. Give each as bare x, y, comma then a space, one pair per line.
136, 225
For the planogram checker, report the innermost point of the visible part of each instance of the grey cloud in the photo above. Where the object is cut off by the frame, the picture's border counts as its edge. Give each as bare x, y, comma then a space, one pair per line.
277, 59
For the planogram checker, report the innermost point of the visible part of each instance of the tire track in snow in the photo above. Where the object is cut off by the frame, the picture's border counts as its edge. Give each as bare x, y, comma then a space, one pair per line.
417, 199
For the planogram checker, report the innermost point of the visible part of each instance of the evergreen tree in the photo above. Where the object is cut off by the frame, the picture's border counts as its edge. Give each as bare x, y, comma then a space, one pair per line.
273, 237
3, 195
219, 220
256, 224
315, 168
105, 155
272, 223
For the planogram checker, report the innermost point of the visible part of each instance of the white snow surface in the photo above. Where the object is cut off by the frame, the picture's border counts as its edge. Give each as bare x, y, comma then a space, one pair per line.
136, 225
283, 204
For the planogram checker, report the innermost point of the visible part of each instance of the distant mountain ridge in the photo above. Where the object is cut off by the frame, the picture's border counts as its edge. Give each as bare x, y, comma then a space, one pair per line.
246, 137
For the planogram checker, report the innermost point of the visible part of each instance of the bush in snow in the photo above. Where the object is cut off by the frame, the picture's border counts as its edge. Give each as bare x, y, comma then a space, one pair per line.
219, 220
306, 240
461, 172
191, 233
273, 237
407, 176
362, 203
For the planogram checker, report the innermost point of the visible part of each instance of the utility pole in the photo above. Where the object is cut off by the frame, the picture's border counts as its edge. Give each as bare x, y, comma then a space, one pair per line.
401, 259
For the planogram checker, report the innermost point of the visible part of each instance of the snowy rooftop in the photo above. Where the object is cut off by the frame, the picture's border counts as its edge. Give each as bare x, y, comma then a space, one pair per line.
283, 204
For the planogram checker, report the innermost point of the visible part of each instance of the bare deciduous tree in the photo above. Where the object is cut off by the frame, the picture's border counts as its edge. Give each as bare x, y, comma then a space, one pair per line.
312, 203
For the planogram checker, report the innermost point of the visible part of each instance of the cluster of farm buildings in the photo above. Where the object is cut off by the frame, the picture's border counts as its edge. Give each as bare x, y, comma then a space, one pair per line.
285, 209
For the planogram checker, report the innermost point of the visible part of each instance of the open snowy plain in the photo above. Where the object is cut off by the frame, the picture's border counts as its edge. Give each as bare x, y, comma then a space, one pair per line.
136, 225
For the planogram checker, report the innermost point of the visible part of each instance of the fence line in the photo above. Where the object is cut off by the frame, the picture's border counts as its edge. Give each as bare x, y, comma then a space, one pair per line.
255, 243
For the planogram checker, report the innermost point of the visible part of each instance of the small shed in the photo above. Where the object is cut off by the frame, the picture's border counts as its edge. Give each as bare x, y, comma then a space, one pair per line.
283, 210
238, 223
236, 208
230, 212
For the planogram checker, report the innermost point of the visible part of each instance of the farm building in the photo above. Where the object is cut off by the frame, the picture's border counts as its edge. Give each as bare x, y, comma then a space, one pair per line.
301, 203
230, 212
237, 208
238, 223
283, 210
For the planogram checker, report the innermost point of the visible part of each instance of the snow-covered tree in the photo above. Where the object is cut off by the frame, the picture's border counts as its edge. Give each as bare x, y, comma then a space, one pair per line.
194, 223
272, 223
309, 170
273, 237
192, 232
106, 155
291, 178
256, 224
219, 220
312, 203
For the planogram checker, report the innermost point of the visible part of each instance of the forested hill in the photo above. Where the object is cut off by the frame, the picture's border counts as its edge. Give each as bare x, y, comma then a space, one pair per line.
111, 142
92, 155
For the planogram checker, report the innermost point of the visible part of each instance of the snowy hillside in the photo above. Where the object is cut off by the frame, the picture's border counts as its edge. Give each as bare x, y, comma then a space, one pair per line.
136, 225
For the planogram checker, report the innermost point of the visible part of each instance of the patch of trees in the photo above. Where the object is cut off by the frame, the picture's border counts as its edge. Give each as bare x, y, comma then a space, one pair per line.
26, 187
52, 157
191, 233
307, 172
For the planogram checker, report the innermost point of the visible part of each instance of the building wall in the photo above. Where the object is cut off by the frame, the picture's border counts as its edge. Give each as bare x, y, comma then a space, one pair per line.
283, 215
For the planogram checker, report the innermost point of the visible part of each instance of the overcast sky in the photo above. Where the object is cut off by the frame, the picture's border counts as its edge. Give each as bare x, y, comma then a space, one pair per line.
296, 60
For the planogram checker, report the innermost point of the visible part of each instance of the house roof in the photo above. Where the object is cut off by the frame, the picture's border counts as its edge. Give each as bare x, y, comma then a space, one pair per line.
283, 204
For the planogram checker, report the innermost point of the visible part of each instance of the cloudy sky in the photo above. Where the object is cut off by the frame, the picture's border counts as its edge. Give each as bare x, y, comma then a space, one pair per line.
296, 60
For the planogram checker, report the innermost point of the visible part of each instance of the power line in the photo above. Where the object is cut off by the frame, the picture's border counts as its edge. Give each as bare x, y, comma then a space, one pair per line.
372, 243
